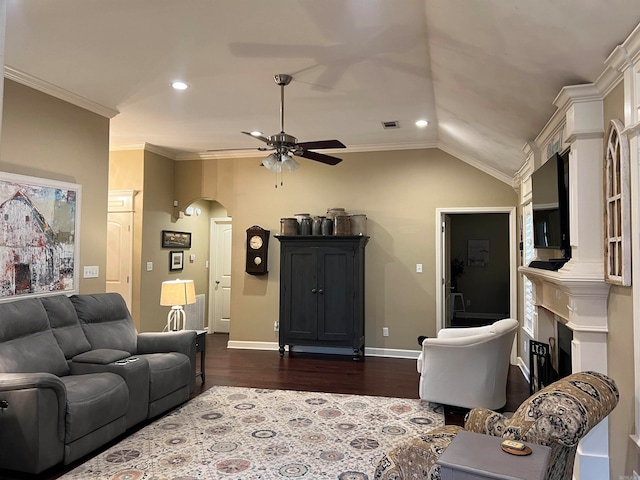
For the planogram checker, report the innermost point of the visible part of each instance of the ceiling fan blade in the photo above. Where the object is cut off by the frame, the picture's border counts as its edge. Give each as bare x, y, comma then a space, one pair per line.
318, 157
259, 137
321, 144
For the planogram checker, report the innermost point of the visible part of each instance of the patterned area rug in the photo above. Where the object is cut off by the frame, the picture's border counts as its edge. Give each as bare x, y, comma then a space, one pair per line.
249, 434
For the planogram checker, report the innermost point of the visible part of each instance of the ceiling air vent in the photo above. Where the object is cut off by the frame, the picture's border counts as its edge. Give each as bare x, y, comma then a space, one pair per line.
392, 124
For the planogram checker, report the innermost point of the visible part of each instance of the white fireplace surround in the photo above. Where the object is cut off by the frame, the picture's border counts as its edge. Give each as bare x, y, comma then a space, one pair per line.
577, 294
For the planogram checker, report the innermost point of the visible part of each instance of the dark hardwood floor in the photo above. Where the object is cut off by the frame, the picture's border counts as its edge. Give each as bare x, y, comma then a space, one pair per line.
390, 377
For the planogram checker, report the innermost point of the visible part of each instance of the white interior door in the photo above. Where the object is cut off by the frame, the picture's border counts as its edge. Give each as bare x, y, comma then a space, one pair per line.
120, 244
220, 276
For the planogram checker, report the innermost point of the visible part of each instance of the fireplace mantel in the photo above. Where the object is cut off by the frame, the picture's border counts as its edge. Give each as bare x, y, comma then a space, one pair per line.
579, 299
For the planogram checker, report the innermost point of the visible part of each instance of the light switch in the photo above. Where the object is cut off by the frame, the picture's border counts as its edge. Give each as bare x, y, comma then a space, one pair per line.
91, 271
149, 266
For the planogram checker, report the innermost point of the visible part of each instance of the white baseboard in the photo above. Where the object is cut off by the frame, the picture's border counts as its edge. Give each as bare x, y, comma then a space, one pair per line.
368, 352
524, 369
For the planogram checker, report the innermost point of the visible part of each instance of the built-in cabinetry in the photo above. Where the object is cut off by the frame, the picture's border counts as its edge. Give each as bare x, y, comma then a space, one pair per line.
322, 292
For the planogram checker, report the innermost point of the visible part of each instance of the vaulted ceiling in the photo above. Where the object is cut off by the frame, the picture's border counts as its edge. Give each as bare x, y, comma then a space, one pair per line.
484, 73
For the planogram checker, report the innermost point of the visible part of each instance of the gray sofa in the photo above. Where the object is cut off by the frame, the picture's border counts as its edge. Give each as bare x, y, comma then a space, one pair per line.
75, 374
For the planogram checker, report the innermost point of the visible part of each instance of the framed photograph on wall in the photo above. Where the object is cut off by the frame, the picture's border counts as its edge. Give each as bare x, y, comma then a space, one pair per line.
40, 226
176, 260
172, 239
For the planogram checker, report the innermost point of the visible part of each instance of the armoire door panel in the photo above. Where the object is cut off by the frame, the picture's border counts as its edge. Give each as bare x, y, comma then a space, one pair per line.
335, 305
301, 301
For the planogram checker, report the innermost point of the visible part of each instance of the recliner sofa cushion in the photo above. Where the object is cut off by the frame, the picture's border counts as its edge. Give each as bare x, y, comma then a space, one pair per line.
93, 400
106, 321
65, 325
27, 344
169, 372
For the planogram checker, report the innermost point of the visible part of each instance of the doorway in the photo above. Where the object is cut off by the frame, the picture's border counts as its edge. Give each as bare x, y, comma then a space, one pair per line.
120, 243
476, 258
220, 239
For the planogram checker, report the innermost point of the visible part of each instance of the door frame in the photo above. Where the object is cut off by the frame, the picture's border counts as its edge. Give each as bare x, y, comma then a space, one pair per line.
440, 253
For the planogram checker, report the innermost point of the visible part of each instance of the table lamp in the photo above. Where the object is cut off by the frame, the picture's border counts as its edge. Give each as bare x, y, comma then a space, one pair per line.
176, 293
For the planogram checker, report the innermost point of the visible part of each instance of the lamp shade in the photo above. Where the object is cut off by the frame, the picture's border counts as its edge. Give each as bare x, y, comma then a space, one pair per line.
177, 292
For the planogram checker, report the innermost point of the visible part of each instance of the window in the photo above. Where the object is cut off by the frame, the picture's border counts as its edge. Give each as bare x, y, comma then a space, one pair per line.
617, 218
528, 256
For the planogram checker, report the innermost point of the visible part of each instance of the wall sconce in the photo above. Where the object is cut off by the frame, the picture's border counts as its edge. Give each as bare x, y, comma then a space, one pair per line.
176, 293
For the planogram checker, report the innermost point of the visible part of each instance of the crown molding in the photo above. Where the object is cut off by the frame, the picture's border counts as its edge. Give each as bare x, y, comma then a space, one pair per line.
503, 177
254, 152
57, 92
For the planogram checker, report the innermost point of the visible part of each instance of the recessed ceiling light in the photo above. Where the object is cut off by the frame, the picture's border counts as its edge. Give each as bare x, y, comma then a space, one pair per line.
422, 123
256, 133
179, 85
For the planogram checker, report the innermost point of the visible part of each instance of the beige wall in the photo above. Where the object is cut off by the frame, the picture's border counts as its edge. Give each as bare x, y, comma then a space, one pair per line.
623, 453
126, 172
398, 191
152, 176
46, 137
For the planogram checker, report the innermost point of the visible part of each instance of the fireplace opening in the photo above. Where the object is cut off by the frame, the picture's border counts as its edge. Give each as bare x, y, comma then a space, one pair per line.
565, 337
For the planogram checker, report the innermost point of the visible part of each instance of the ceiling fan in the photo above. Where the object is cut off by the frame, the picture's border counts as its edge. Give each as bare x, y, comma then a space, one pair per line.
286, 145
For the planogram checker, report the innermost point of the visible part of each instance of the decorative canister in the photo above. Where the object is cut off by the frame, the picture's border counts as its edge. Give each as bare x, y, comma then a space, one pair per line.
305, 226
300, 216
288, 226
358, 224
332, 212
342, 225
327, 226
316, 225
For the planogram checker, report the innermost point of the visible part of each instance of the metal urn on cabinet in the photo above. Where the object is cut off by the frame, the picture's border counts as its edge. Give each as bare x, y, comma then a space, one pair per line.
322, 292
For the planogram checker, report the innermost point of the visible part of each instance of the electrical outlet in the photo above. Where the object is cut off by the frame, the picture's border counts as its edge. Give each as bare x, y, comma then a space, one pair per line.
385, 331
149, 266
418, 268
524, 346
276, 326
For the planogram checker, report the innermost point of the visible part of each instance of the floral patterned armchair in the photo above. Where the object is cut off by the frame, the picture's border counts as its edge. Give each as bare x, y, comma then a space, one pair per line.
557, 416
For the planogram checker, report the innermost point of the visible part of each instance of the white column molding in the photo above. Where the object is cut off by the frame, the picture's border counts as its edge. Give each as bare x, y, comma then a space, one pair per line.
577, 293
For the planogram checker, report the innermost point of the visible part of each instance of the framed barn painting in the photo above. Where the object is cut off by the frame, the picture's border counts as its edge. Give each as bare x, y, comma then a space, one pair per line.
39, 241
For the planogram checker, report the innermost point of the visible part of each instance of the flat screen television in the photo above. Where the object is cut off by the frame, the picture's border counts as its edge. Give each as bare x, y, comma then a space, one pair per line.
550, 195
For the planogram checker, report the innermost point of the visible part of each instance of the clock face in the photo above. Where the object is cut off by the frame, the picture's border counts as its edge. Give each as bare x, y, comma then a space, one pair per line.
255, 242
257, 260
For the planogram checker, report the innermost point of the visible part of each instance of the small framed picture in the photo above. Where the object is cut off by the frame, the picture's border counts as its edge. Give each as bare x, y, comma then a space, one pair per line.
176, 260
172, 239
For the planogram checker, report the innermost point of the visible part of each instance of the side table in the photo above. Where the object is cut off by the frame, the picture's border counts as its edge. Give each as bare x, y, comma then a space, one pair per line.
472, 456
201, 347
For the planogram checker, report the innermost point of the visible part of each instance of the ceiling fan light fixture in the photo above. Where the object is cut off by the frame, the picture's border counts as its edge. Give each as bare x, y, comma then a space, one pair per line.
255, 133
288, 163
272, 163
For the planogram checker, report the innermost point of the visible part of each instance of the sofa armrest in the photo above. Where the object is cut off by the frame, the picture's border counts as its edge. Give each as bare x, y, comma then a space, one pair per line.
13, 382
183, 341
488, 422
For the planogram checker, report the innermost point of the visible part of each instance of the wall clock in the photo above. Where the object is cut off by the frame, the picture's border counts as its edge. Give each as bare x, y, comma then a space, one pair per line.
257, 250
